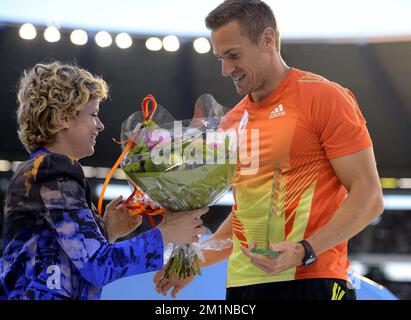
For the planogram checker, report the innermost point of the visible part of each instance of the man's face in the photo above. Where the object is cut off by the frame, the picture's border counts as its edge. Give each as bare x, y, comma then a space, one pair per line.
245, 62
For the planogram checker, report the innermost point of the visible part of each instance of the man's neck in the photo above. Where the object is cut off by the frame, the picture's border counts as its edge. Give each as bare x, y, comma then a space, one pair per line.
278, 73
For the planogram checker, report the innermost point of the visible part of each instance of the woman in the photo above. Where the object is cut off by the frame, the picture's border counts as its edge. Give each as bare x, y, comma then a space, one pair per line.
55, 246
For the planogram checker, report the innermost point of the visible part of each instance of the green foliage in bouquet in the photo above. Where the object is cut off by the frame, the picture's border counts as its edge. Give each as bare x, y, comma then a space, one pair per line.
181, 266
185, 190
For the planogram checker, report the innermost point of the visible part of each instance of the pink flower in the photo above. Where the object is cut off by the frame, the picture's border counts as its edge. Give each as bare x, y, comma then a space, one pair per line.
159, 137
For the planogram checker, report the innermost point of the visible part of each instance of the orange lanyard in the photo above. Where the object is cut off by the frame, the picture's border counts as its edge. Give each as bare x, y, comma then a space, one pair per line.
136, 206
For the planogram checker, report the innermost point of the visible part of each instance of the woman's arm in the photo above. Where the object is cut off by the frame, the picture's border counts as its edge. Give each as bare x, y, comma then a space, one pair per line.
69, 216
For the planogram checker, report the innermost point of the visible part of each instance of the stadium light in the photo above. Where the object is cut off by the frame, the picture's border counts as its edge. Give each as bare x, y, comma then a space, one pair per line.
52, 34
79, 37
27, 31
171, 43
154, 44
201, 45
103, 39
123, 40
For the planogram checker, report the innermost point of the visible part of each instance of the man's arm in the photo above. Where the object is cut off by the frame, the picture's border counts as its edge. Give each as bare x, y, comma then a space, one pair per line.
358, 173
225, 231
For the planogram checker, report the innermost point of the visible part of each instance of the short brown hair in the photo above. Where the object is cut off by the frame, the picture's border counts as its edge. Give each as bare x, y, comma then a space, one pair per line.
49, 91
254, 16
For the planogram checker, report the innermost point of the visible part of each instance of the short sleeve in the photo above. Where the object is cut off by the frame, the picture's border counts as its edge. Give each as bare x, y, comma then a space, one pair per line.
338, 121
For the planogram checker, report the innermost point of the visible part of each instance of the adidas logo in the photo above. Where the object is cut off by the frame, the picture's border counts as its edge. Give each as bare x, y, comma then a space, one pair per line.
338, 292
277, 112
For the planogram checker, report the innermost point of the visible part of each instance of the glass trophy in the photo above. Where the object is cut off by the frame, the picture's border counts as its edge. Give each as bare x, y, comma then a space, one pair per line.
270, 214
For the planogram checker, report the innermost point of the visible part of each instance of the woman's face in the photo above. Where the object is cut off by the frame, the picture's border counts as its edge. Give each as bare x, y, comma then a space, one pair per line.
82, 131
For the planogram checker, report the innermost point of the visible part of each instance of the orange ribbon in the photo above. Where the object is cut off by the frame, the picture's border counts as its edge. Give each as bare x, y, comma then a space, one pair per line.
135, 206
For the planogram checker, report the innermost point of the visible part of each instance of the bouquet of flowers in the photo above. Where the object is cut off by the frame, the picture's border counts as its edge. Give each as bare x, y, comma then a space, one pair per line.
178, 165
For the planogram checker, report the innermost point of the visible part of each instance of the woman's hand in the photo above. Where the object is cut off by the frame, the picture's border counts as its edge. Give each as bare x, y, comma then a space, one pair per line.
119, 221
183, 226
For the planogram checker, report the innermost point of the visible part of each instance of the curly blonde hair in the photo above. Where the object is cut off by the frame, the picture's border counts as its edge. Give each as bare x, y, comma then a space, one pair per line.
48, 93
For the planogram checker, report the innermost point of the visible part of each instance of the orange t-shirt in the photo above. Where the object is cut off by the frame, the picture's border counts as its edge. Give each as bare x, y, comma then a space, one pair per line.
288, 189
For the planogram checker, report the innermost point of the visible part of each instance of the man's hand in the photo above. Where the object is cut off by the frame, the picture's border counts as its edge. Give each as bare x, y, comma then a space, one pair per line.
291, 255
119, 221
163, 285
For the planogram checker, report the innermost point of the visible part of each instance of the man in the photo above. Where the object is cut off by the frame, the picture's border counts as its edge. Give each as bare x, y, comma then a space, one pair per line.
317, 184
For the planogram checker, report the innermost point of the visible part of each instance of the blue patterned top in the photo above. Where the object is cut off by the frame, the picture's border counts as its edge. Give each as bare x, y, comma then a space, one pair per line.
55, 246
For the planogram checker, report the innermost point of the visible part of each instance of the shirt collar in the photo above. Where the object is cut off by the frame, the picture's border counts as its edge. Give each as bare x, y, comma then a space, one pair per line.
36, 153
